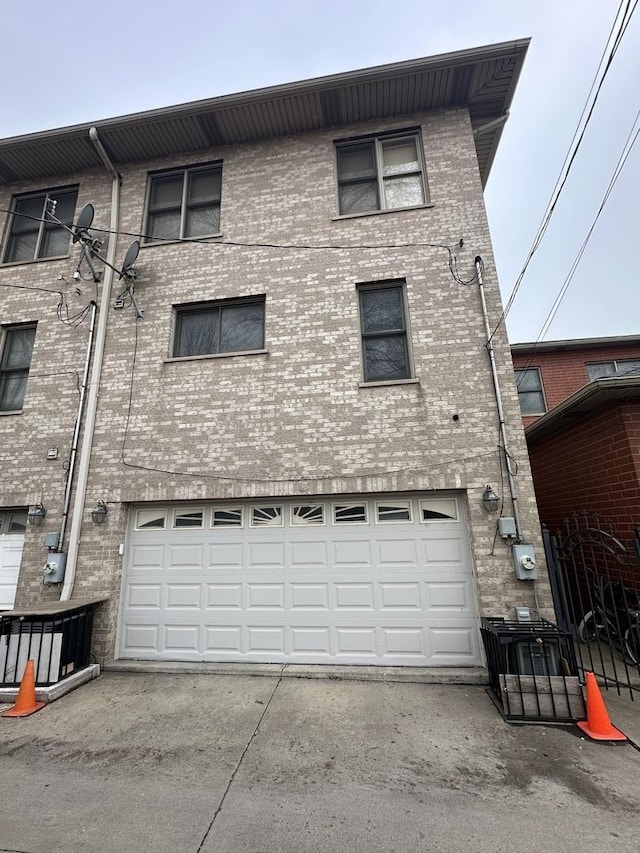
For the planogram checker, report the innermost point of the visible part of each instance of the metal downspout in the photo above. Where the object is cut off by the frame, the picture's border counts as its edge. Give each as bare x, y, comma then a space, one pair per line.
76, 430
92, 401
498, 395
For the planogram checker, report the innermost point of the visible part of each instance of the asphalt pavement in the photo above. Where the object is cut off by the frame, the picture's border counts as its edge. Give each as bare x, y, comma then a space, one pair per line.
199, 763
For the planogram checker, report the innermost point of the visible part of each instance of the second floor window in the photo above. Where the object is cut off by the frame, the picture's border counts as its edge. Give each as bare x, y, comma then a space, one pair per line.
212, 328
33, 235
530, 391
184, 203
381, 173
626, 367
17, 348
385, 349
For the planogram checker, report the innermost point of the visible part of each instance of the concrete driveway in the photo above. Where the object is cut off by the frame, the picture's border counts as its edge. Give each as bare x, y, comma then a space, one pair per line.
190, 763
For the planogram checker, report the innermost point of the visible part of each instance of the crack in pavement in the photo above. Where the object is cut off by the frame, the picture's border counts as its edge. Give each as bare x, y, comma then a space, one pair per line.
233, 775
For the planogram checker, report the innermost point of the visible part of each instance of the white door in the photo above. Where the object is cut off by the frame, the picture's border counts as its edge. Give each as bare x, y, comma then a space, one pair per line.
384, 580
13, 524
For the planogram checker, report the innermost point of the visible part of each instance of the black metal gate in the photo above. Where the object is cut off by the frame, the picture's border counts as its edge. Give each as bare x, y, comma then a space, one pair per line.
595, 580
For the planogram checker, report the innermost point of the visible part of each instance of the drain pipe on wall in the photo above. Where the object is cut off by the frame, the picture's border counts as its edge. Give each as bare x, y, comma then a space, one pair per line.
98, 357
496, 387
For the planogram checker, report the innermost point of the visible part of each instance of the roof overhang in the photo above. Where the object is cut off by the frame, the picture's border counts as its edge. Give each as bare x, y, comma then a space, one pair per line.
588, 399
483, 79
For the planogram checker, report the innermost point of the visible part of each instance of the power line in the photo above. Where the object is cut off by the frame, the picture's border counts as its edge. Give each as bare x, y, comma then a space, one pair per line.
574, 145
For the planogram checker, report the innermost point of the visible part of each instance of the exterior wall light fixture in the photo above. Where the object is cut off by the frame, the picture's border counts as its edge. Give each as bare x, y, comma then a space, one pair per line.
36, 514
490, 500
99, 512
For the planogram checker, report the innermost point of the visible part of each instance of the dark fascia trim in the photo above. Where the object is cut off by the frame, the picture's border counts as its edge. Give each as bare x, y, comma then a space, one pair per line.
575, 344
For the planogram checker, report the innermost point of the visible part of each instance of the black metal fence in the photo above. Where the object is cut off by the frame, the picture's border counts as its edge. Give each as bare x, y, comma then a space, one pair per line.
533, 673
595, 580
59, 645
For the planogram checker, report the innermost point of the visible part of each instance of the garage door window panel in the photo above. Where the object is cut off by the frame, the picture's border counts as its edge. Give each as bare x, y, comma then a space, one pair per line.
391, 512
188, 518
266, 516
151, 519
438, 510
227, 517
307, 514
350, 514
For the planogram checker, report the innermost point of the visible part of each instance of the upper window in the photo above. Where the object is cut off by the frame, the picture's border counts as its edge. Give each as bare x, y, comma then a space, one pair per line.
383, 173
17, 348
385, 351
530, 393
219, 327
33, 234
628, 367
184, 203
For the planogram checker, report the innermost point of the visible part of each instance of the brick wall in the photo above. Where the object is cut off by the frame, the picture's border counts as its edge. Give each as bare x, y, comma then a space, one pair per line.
565, 372
592, 465
293, 421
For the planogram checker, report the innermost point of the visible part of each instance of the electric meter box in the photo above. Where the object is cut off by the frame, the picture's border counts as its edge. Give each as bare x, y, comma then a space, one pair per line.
54, 567
526, 565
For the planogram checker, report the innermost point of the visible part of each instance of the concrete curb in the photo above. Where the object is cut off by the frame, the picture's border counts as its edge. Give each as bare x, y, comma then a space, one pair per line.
8, 695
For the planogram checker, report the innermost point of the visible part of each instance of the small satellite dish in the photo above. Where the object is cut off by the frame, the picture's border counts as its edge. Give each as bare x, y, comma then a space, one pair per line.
129, 260
84, 222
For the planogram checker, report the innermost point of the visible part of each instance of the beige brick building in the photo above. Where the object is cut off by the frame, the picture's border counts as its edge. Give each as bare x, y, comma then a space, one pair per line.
293, 441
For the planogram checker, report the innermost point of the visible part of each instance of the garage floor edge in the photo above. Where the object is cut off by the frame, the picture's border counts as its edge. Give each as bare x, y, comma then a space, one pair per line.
419, 675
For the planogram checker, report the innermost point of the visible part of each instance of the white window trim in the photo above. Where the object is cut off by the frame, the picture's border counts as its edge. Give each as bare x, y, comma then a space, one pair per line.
334, 506
425, 501
227, 508
266, 506
298, 524
400, 504
186, 511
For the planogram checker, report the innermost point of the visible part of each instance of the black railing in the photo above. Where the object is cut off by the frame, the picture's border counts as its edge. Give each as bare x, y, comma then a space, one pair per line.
59, 645
533, 674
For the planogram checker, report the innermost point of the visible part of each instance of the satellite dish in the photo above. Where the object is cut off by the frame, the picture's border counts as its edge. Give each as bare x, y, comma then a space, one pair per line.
130, 259
84, 222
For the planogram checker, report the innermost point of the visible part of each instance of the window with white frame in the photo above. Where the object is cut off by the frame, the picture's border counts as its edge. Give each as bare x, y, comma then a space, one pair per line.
213, 328
15, 361
33, 233
530, 392
622, 367
383, 326
380, 173
184, 203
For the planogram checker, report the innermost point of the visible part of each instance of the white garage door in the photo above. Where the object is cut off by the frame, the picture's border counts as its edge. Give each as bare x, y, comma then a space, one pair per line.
13, 524
384, 581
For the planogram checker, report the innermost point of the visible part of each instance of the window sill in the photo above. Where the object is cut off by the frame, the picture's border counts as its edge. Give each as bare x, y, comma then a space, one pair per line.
35, 261
11, 412
388, 382
379, 212
150, 243
215, 355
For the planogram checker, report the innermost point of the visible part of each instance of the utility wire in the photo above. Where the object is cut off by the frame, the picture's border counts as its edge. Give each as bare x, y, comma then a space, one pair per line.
574, 146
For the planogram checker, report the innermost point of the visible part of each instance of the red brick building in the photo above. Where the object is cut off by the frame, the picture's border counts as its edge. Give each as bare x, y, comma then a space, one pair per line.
581, 408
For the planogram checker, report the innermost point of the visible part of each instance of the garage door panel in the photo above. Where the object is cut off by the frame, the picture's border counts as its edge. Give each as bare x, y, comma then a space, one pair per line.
400, 596
225, 555
447, 596
309, 554
390, 592
224, 596
184, 638
185, 556
181, 596
352, 553
354, 596
266, 596
147, 595
309, 596
397, 552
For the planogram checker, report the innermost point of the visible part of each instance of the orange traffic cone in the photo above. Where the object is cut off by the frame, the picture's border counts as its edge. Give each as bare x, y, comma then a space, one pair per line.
598, 725
26, 702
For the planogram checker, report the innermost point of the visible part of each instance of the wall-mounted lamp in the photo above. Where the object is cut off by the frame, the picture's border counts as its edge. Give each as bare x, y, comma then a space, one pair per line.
490, 500
99, 512
36, 514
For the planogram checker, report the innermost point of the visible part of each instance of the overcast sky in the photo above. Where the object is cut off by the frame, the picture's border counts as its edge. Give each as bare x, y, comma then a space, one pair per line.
68, 62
